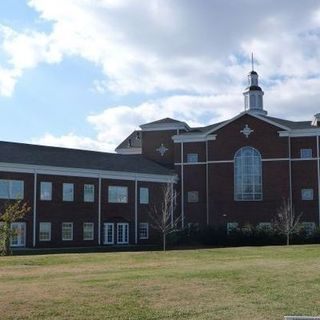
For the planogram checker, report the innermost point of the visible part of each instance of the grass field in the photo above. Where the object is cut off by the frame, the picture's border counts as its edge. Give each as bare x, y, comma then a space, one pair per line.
232, 283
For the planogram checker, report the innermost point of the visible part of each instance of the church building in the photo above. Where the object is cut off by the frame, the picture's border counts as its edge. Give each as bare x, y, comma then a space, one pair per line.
225, 174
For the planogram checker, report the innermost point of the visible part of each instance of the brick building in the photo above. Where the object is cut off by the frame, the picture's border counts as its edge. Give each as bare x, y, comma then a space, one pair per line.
226, 174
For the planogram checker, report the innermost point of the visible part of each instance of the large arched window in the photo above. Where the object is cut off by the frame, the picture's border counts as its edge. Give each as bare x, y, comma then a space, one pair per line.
247, 174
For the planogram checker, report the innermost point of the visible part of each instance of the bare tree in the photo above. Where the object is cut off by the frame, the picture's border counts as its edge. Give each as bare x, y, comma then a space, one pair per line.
287, 221
11, 212
162, 214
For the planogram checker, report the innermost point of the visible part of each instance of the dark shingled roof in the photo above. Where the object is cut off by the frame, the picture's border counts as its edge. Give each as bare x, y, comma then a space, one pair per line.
164, 120
291, 124
22, 153
134, 140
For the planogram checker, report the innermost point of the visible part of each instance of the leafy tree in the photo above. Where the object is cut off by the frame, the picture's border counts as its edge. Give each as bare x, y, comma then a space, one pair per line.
286, 221
162, 214
11, 212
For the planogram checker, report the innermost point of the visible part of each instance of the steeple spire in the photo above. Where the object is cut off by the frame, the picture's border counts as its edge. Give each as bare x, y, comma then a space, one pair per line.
253, 94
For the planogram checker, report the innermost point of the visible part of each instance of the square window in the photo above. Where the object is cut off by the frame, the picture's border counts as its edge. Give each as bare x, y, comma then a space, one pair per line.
88, 231
144, 195
67, 231
143, 230
117, 194
307, 194
193, 196
192, 157
68, 192
88, 193
305, 153
45, 191
45, 231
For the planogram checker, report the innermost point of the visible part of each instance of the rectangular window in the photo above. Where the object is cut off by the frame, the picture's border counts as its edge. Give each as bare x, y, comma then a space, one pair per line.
45, 191
88, 231
67, 231
193, 196
88, 193
45, 231
18, 238
108, 233
68, 192
117, 194
192, 157
11, 189
307, 194
144, 195
305, 153
122, 233
143, 230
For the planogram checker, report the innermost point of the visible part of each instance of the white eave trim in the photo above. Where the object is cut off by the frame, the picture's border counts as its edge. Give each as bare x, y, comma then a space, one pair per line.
300, 133
193, 138
88, 173
165, 126
128, 150
251, 114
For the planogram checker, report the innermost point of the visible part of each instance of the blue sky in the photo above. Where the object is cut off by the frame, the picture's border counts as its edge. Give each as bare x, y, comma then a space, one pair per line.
84, 74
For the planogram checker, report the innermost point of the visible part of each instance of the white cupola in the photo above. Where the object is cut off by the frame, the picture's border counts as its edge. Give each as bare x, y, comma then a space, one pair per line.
253, 94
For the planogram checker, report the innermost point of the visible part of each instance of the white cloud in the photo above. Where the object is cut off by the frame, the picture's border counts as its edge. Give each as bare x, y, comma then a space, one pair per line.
152, 45
170, 46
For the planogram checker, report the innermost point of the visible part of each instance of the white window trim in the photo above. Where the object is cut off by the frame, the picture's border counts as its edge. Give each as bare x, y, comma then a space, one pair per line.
106, 225
146, 226
47, 223
84, 192
63, 193
64, 239
42, 183
127, 195
10, 195
24, 225
238, 196
141, 200
92, 227
124, 224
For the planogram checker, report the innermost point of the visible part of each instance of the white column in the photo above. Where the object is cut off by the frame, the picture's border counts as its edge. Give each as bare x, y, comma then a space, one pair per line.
172, 204
207, 182
290, 175
136, 211
318, 174
99, 211
182, 187
35, 177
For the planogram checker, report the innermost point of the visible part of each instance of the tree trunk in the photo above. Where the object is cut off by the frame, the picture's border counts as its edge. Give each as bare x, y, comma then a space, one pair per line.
288, 238
164, 241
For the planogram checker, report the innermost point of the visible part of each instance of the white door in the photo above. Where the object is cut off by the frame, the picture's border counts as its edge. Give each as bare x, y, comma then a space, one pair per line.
108, 233
19, 237
122, 233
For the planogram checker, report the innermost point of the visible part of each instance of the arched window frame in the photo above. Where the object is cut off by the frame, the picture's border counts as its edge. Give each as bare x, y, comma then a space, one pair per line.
247, 179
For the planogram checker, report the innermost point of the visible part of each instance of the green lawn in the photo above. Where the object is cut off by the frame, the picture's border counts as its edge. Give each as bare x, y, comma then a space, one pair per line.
233, 283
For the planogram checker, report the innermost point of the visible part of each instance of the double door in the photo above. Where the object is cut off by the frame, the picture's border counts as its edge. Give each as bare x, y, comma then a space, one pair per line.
116, 233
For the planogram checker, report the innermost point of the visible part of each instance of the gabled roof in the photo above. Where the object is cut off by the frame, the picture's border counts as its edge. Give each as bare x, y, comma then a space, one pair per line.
165, 124
164, 120
133, 141
291, 124
20, 153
